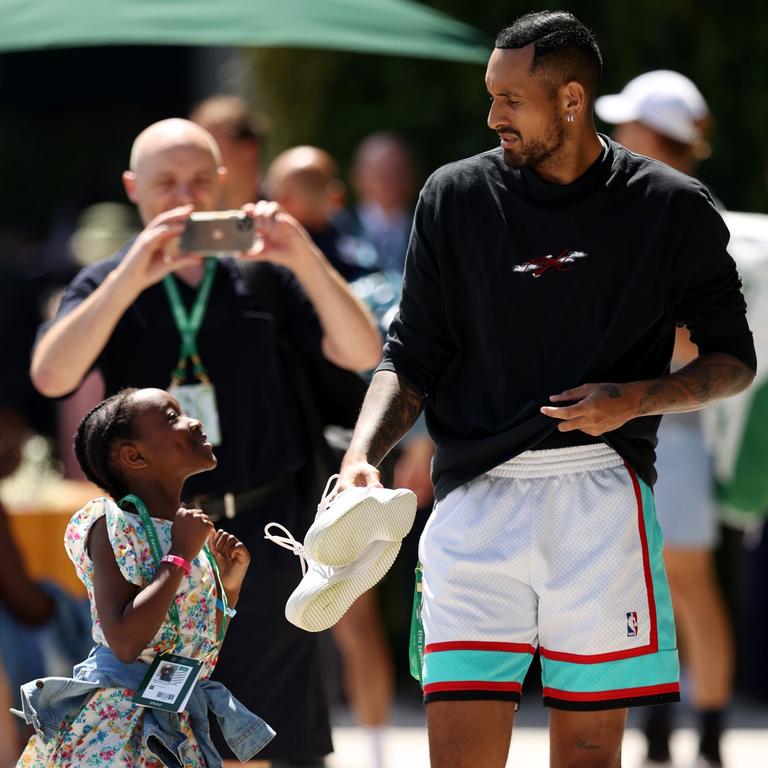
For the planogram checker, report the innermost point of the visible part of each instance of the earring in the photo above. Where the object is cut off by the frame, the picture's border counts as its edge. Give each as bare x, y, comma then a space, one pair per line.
569, 118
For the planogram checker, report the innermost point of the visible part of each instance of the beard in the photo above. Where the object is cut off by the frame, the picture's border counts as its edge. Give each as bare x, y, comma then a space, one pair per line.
532, 153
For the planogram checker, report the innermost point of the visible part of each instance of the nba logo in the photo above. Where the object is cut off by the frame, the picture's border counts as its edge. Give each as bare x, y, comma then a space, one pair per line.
632, 624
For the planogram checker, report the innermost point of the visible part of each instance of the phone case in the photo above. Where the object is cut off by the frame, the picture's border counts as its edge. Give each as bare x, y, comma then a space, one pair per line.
218, 232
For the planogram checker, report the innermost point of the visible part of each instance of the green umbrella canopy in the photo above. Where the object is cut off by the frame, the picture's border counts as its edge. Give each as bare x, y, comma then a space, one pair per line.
374, 26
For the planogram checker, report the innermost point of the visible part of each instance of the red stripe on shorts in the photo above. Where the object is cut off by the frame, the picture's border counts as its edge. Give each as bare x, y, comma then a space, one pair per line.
597, 658
478, 645
653, 638
619, 693
472, 685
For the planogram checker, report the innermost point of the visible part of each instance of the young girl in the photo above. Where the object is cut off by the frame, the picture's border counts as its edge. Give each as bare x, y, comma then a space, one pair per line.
160, 581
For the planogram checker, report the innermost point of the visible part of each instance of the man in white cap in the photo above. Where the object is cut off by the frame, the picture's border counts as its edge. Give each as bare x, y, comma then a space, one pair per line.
660, 114
663, 115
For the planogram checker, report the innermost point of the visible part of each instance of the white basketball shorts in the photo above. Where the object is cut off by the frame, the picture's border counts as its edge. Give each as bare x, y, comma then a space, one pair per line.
557, 550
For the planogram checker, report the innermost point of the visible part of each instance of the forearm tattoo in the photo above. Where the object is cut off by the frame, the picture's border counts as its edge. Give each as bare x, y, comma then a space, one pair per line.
708, 378
390, 409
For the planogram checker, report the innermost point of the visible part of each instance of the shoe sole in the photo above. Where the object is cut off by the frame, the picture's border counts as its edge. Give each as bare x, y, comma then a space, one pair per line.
320, 610
340, 542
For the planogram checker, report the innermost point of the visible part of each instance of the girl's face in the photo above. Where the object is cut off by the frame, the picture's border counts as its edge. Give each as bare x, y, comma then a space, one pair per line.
167, 441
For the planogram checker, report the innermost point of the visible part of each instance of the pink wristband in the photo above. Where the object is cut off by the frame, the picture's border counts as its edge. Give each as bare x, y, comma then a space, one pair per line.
178, 561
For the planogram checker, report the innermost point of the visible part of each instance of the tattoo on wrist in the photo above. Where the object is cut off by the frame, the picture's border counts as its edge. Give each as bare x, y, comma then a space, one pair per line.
706, 379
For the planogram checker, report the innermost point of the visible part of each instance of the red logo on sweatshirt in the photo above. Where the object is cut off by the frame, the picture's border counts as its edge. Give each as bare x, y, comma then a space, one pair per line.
565, 262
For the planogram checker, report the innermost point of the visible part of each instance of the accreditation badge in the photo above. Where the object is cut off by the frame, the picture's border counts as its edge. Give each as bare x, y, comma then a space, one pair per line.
168, 683
199, 402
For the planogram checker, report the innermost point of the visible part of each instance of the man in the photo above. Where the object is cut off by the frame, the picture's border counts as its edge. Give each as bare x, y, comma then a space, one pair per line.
240, 135
117, 316
543, 283
304, 181
385, 184
663, 115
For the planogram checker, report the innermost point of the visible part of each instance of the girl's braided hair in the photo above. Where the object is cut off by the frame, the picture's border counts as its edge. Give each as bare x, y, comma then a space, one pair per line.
96, 434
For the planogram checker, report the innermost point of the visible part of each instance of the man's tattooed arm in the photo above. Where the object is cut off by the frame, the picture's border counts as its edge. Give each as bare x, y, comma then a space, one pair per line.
390, 409
708, 378
599, 408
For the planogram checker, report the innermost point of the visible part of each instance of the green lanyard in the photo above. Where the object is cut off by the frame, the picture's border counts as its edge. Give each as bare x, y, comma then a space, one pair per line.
189, 324
154, 546
157, 556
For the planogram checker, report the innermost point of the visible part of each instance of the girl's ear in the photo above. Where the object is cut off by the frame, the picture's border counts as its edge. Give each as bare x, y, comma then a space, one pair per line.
130, 457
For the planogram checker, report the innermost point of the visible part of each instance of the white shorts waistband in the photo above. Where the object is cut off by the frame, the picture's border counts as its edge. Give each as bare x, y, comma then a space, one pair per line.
559, 461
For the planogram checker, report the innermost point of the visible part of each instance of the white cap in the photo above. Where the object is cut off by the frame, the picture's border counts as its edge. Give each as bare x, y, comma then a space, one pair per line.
663, 100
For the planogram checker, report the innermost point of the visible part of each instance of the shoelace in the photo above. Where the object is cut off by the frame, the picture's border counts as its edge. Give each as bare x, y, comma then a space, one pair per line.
287, 542
325, 501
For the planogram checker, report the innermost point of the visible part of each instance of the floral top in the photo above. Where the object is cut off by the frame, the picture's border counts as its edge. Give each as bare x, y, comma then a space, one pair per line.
195, 598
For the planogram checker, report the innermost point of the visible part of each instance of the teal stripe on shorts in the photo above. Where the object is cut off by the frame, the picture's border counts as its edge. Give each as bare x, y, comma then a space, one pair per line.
488, 666
665, 617
636, 672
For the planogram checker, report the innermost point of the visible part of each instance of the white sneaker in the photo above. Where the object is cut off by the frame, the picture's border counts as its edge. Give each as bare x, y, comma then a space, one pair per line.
325, 593
349, 522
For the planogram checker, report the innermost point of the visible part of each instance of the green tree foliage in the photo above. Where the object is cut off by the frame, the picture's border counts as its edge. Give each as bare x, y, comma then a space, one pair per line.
335, 99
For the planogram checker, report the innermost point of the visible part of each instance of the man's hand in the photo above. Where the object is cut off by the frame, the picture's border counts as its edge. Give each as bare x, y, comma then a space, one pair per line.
598, 408
154, 253
279, 237
358, 473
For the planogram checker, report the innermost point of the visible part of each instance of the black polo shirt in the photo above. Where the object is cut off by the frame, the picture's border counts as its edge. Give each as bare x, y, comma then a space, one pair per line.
263, 437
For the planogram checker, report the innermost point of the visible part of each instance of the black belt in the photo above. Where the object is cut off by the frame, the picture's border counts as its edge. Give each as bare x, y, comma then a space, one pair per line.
232, 504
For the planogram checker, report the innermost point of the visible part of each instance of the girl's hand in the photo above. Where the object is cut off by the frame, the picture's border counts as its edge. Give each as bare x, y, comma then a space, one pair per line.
233, 560
190, 530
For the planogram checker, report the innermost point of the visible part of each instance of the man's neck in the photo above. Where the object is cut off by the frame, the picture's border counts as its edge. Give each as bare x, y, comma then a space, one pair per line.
573, 161
191, 275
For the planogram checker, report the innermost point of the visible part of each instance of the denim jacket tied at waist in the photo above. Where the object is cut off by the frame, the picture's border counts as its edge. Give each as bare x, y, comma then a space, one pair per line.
47, 703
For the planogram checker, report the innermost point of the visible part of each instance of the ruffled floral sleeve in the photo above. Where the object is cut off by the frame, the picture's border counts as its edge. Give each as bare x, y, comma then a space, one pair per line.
126, 535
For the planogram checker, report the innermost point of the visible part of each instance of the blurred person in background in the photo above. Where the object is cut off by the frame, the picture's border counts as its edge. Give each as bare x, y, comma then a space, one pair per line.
384, 182
102, 229
304, 181
122, 315
662, 115
43, 629
240, 133
9, 744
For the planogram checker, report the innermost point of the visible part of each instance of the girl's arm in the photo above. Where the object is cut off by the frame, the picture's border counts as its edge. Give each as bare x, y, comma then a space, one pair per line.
130, 616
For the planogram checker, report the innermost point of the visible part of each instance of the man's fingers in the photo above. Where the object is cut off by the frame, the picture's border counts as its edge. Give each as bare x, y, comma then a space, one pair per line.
571, 426
175, 215
563, 412
577, 393
264, 215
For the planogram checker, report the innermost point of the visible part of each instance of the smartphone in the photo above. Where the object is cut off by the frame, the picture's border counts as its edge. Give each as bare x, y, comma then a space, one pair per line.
217, 232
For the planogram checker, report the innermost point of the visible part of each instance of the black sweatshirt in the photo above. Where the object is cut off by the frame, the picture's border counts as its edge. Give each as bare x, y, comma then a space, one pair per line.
516, 289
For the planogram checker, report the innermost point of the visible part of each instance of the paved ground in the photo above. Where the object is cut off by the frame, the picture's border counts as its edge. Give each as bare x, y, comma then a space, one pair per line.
745, 745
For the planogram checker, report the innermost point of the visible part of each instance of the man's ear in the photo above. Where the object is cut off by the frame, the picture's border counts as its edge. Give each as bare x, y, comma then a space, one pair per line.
129, 183
129, 456
573, 98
